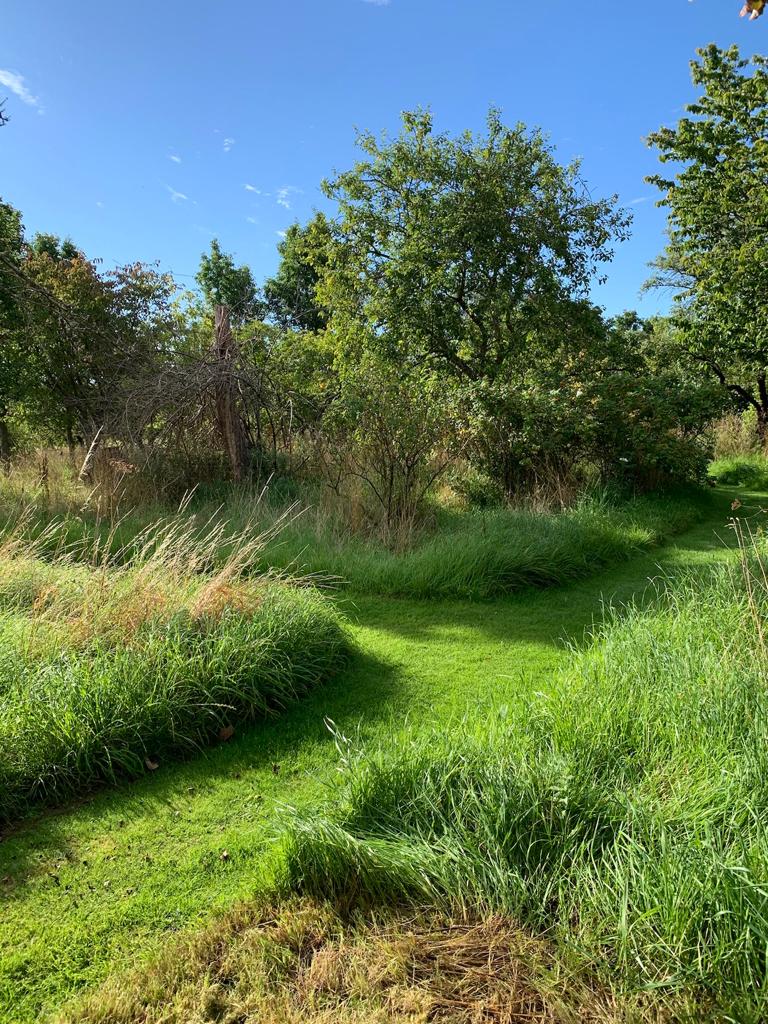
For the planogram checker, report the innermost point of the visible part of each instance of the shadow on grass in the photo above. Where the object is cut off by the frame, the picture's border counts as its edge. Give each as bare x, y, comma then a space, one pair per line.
555, 614
359, 695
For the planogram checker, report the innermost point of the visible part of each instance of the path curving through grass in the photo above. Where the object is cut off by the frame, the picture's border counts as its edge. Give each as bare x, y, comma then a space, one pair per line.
99, 886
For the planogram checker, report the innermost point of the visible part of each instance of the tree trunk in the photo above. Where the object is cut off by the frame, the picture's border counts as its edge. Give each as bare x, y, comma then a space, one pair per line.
509, 474
228, 418
762, 411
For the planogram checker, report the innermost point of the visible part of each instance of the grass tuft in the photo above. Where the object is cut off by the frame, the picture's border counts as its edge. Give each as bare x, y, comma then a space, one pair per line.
484, 553
741, 471
107, 671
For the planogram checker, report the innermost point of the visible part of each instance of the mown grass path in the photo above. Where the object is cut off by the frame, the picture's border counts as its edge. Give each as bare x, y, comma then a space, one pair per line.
97, 887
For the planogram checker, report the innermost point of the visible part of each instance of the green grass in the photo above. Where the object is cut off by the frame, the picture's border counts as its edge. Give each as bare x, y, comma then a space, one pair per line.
741, 471
106, 672
472, 554
483, 553
623, 812
111, 881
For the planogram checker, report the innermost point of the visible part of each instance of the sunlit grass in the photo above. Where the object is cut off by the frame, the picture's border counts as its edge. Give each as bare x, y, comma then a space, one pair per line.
111, 880
623, 814
749, 471
107, 669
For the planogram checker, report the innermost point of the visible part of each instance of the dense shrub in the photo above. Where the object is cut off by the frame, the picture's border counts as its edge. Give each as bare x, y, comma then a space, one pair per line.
394, 432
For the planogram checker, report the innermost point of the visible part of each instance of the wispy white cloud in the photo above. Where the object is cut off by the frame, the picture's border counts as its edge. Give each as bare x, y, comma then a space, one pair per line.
176, 159
176, 197
252, 188
378, 3
284, 194
16, 83
638, 200
100, 204
228, 144
252, 220
281, 234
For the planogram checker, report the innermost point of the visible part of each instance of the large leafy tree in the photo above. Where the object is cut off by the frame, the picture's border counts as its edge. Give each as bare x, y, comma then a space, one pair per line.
11, 241
717, 256
87, 336
14, 369
472, 254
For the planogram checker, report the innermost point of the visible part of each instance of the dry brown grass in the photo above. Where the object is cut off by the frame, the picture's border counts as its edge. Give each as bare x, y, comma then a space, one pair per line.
176, 566
302, 962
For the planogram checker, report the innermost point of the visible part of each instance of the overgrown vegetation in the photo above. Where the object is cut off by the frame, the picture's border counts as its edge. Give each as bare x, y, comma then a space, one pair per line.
156, 846
482, 554
621, 815
107, 671
462, 551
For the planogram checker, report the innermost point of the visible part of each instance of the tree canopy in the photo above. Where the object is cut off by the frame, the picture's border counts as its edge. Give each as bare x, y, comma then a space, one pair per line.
469, 250
717, 256
224, 284
291, 295
471, 255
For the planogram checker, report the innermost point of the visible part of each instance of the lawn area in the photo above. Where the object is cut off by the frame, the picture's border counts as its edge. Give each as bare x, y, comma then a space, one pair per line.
106, 883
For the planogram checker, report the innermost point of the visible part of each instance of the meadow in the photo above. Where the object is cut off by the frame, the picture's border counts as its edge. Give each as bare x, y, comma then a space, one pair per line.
459, 551
200, 833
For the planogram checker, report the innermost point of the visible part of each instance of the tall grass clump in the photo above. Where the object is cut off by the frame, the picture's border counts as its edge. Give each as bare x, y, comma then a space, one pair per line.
463, 553
107, 670
625, 814
736, 434
749, 471
481, 553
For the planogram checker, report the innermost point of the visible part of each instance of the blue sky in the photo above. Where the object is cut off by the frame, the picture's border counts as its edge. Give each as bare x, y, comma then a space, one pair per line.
142, 130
